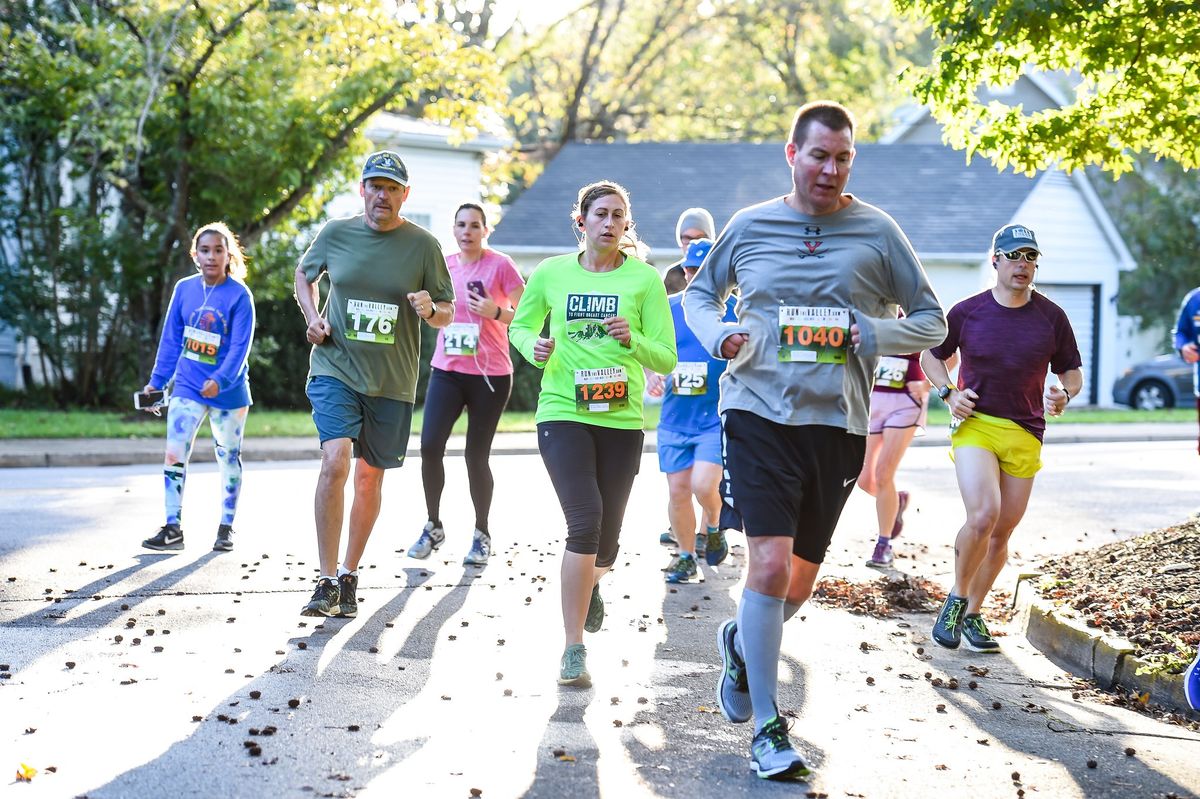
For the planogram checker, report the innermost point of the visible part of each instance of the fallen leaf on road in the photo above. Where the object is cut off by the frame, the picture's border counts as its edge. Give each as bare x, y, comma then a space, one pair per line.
25, 773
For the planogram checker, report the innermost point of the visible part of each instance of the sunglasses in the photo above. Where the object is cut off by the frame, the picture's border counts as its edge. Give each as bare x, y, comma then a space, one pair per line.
1016, 255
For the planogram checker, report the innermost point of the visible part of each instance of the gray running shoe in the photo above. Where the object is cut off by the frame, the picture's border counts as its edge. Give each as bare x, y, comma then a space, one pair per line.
595, 614
975, 634
324, 600
733, 690
169, 536
430, 539
947, 629
481, 549
348, 601
224, 542
573, 669
772, 753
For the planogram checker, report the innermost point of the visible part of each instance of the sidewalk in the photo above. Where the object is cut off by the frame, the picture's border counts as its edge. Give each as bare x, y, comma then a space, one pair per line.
33, 452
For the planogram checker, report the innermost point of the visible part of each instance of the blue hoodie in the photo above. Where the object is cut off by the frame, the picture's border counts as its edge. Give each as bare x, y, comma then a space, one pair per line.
206, 335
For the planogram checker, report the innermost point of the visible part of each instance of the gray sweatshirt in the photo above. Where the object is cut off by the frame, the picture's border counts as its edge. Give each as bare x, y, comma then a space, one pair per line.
802, 281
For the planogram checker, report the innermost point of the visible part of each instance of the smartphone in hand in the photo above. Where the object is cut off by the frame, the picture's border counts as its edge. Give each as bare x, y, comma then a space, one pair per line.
144, 400
476, 286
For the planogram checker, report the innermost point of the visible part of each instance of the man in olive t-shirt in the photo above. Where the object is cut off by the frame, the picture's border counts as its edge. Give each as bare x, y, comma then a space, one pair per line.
384, 272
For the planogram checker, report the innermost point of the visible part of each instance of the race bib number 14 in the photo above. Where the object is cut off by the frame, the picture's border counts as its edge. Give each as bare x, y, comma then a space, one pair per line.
371, 321
813, 335
601, 390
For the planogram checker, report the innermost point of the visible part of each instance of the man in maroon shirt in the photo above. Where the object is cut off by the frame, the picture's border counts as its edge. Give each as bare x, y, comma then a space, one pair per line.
1006, 338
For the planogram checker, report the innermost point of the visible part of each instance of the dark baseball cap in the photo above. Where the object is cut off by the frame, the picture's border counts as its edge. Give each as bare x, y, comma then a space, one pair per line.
385, 164
697, 251
1014, 237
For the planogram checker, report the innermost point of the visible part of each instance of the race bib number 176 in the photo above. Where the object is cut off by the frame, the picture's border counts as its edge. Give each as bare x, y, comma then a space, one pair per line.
371, 321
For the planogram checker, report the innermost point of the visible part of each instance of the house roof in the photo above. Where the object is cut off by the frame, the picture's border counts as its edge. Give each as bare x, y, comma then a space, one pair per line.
944, 205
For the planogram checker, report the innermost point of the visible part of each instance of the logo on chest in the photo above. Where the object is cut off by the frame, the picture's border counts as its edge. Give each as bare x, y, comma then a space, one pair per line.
584, 314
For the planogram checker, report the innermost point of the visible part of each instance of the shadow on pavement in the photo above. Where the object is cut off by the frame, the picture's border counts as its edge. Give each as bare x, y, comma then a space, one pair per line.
566, 732
330, 748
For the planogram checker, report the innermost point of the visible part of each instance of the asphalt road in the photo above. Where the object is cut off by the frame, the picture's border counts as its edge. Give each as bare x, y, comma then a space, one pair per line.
445, 682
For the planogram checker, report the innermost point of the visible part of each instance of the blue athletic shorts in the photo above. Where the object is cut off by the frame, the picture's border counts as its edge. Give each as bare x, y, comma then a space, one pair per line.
679, 451
378, 426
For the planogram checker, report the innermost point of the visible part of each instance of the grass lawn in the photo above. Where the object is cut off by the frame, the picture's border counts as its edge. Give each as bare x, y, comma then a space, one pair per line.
261, 422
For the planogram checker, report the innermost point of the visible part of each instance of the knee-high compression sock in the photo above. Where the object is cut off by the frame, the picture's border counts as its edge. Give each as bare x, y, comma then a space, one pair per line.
760, 628
789, 610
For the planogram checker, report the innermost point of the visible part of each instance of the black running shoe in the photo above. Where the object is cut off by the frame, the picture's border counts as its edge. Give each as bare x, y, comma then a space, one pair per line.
772, 753
976, 635
169, 536
947, 630
224, 542
595, 614
324, 600
348, 588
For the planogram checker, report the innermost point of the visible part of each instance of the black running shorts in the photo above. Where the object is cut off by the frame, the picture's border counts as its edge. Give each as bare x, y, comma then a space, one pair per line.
790, 480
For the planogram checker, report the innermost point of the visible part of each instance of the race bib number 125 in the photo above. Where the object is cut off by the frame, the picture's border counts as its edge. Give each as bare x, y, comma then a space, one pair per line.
813, 335
690, 378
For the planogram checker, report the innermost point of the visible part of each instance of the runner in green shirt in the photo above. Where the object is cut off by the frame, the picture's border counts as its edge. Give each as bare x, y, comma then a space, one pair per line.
609, 318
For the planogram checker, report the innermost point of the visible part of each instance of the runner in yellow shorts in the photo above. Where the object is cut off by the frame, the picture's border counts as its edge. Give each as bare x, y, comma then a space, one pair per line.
1007, 337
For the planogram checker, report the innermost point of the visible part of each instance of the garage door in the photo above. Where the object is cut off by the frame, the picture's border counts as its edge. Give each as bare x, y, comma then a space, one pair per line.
1082, 304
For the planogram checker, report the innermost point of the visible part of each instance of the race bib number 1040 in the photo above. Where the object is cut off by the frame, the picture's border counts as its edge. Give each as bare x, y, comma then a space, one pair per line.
813, 335
371, 321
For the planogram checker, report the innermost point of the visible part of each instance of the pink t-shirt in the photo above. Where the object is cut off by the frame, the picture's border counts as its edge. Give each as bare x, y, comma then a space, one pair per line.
499, 276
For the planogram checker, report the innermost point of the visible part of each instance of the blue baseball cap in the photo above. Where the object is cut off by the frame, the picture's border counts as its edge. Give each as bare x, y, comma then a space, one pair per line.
385, 164
697, 251
1014, 237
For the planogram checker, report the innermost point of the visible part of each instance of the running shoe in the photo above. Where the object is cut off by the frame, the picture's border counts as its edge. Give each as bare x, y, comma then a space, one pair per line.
882, 557
700, 548
573, 669
668, 538
324, 600
716, 548
733, 689
430, 539
224, 542
1191, 683
348, 601
975, 633
595, 614
481, 549
672, 563
684, 570
772, 753
902, 496
947, 630
169, 536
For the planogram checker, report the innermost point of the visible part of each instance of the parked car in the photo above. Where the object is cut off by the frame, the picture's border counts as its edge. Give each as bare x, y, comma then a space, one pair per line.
1161, 382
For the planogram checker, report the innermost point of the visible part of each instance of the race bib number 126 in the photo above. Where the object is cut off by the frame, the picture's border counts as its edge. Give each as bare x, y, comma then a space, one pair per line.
813, 335
371, 321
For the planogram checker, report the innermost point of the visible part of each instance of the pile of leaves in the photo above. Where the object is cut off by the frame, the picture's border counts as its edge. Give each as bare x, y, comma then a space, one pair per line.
1145, 589
881, 598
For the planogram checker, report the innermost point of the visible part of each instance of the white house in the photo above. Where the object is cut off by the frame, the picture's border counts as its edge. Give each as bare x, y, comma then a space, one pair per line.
948, 208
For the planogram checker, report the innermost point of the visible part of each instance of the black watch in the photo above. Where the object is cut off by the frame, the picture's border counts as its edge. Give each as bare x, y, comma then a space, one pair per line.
944, 392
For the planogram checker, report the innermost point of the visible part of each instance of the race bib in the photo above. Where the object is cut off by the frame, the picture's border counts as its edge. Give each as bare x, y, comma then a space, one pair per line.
460, 338
813, 335
371, 321
601, 390
201, 345
690, 378
891, 371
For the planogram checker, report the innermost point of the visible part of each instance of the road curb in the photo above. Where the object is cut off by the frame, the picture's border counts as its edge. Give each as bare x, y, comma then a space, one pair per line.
1087, 653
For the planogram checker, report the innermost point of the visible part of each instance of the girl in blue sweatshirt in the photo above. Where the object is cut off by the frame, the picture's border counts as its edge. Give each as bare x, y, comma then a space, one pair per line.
204, 348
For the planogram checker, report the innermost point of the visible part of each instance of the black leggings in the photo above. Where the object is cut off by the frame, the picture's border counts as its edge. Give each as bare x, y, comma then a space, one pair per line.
447, 395
592, 469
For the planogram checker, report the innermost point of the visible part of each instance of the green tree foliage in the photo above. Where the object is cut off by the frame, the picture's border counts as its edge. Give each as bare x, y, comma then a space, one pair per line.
126, 125
1136, 60
1158, 210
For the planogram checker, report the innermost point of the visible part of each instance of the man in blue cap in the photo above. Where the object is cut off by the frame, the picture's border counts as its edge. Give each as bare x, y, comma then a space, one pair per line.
386, 276
689, 436
1006, 337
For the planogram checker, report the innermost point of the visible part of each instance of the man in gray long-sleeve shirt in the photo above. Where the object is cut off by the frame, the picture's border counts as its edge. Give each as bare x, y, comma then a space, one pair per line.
820, 275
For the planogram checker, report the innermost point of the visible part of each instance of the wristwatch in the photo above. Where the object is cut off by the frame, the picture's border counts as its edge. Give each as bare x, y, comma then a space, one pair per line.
944, 392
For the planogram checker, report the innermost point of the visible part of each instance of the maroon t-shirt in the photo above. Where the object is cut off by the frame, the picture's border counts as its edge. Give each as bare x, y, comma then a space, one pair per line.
1005, 352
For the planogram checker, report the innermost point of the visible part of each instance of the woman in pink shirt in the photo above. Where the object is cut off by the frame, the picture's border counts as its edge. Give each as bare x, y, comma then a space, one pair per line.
471, 370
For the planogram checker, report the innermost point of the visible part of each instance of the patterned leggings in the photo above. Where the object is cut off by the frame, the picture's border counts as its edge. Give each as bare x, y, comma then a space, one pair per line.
183, 421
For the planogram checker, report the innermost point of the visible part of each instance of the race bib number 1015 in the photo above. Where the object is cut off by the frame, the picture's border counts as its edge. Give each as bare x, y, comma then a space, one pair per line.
813, 335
